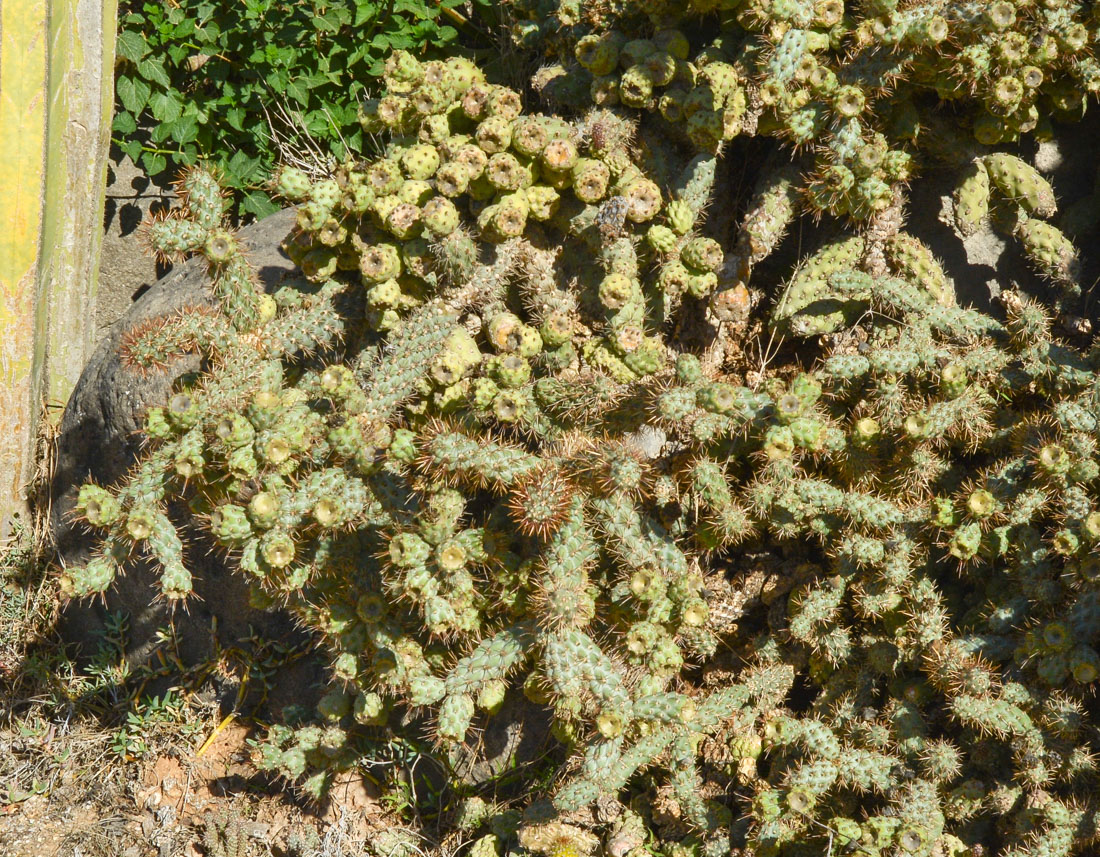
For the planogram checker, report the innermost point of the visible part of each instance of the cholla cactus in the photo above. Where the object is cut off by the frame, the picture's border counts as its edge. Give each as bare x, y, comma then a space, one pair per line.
225, 836
844, 80
485, 445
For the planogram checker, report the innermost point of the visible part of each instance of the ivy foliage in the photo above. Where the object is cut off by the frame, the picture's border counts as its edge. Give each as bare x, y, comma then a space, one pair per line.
206, 80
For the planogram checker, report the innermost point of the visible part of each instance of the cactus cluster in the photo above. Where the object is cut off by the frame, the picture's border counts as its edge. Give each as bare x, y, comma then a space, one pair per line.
1009, 194
855, 81
506, 435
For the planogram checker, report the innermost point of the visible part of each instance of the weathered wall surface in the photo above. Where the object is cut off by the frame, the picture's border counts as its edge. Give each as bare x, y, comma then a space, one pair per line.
56, 97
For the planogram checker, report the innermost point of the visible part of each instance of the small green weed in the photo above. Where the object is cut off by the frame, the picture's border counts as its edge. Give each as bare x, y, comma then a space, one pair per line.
153, 717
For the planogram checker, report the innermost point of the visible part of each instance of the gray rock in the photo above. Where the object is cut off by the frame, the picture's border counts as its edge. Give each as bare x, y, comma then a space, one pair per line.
1049, 156
100, 440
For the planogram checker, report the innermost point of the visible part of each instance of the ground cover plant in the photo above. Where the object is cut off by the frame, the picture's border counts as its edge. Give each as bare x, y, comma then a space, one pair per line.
523, 426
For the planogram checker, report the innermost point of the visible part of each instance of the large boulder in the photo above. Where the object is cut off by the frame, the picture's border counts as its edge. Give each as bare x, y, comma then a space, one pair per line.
100, 440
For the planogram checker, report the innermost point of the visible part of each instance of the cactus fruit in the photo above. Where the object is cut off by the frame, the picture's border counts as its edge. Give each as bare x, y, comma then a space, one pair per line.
1048, 249
1021, 183
972, 200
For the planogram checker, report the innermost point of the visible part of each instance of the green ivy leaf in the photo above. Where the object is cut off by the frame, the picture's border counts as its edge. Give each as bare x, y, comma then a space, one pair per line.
445, 34
131, 45
279, 81
124, 123
245, 168
258, 204
259, 130
328, 23
197, 110
159, 131
153, 70
317, 124
178, 53
165, 107
153, 163
236, 116
184, 129
184, 29
208, 33
298, 90
345, 114
133, 93
130, 148
364, 12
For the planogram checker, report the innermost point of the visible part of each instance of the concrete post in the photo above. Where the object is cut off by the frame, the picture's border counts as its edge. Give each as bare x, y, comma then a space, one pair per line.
56, 99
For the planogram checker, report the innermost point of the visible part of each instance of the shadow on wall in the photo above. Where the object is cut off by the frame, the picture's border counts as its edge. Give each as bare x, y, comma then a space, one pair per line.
127, 268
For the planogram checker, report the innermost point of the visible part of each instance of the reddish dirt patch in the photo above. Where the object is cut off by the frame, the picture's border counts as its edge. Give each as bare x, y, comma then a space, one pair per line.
192, 784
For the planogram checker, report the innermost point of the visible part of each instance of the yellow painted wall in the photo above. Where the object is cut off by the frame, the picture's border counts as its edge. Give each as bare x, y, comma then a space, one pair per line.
56, 95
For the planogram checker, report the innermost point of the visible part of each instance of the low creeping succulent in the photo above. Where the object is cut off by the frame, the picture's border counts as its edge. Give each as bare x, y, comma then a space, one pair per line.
502, 437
